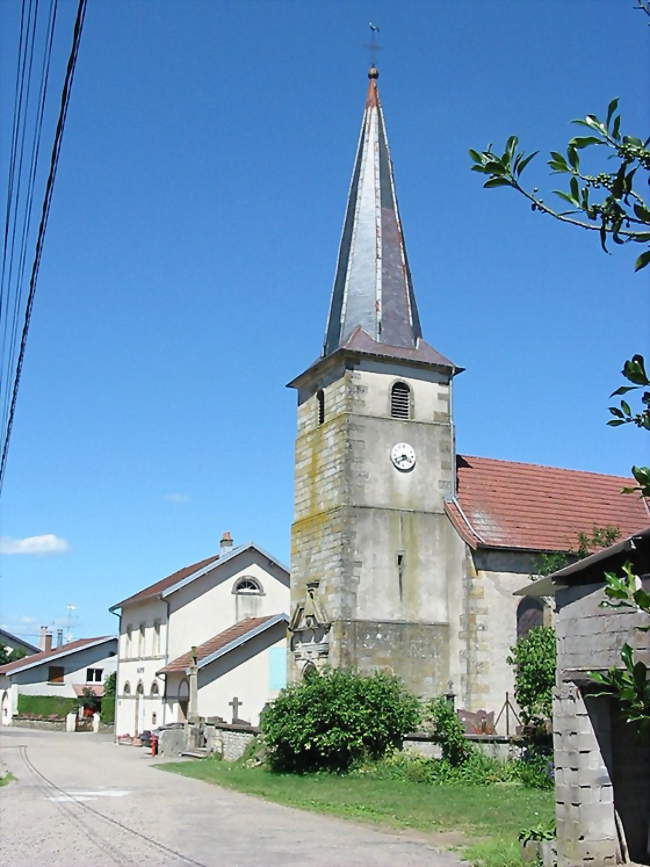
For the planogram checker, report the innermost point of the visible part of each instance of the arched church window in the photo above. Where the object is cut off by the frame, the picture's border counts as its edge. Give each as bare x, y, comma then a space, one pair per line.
309, 670
126, 689
247, 585
154, 688
530, 615
400, 400
320, 400
140, 688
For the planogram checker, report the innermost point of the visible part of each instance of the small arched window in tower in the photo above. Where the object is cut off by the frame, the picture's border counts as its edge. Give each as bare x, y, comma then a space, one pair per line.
530, 615
320, 401
400, 400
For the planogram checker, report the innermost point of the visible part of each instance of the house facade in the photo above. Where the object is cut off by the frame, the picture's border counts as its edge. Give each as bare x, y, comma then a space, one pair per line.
62, 672
406, 554
195, 607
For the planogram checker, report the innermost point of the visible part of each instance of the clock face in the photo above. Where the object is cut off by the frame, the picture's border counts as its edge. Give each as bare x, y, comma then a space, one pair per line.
403, 456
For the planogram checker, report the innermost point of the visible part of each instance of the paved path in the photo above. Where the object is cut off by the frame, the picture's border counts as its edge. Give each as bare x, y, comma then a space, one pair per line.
79, 799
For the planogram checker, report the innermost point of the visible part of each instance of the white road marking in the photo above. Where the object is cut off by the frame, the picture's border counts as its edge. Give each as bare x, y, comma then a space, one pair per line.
89, 795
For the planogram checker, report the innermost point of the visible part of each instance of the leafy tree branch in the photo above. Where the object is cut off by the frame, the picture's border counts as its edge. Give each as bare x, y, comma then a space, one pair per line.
607, 202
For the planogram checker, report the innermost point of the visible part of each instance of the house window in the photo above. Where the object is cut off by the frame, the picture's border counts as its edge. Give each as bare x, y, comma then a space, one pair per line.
400, 400
94, 675
154, 688
320, 401
247, 584
530, 615
126, 688
55, 674
156, 637
141, 640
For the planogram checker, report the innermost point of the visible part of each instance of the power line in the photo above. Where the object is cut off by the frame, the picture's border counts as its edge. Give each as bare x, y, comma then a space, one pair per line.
54, 161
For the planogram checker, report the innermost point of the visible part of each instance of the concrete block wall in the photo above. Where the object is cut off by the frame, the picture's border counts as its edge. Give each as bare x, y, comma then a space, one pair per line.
584, 794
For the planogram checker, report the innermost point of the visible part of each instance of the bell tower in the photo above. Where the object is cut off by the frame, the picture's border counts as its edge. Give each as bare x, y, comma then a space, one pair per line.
374, 456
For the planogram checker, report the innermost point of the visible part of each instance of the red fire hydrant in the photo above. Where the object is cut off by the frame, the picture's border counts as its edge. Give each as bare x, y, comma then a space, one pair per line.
154, 745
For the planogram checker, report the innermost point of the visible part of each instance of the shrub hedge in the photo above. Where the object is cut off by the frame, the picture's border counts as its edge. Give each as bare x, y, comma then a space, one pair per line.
108, 709
46, 705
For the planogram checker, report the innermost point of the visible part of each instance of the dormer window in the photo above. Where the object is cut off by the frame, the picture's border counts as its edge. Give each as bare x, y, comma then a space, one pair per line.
400, 401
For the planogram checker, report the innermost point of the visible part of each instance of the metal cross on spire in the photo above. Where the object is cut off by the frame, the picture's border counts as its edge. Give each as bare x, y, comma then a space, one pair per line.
373, 46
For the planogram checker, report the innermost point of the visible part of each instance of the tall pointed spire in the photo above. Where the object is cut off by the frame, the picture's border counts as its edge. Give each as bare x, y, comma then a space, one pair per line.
372, 287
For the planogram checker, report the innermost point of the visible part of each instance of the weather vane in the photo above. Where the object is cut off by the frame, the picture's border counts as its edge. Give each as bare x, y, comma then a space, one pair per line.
373, 46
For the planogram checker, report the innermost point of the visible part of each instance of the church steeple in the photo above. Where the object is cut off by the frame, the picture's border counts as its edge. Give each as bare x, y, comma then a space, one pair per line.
372, 287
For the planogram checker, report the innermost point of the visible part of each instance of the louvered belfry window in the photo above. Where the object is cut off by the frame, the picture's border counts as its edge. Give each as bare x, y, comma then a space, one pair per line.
400, 401
320, 399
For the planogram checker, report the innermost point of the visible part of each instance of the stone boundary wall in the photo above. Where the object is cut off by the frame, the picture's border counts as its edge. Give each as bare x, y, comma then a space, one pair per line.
495, 746
50, 725
229, 739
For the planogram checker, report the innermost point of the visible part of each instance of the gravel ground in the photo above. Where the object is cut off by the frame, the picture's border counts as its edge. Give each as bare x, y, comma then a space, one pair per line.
79, 799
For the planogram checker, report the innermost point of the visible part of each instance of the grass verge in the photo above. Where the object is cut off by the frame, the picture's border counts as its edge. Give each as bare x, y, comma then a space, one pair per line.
487, 819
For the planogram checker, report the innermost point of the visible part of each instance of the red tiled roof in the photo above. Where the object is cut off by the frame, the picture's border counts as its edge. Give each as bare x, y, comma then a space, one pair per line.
169, 581
503, 504
217, 642
96, 689
43, 655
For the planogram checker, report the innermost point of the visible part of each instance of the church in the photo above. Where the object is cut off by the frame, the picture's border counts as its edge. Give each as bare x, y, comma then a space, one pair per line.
405, 554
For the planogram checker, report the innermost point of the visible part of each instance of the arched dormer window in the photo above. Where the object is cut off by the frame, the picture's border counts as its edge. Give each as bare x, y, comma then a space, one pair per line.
248, 585
530, 615
126, 689
400, 400
320, 402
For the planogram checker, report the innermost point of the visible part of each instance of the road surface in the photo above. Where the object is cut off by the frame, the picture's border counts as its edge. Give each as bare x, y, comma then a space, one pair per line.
79, 799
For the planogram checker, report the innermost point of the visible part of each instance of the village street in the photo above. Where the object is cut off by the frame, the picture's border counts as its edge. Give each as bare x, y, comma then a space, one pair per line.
79, 799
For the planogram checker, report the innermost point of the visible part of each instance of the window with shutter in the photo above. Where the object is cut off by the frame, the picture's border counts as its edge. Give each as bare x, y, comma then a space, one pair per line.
400, 400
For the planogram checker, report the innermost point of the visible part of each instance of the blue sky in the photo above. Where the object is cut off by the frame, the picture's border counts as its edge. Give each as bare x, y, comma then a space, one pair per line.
192, 244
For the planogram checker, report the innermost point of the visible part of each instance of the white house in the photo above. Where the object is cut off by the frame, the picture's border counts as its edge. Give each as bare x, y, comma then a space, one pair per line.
231, 608
61, 672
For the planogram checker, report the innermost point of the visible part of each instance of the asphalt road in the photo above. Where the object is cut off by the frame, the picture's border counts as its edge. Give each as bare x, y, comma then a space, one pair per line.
81, 800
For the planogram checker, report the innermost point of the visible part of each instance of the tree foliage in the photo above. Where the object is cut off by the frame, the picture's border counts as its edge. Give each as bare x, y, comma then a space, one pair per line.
608, 202
9, 655
331, 720
533, 658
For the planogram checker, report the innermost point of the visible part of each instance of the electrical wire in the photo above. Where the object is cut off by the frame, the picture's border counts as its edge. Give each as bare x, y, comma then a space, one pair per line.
54, 161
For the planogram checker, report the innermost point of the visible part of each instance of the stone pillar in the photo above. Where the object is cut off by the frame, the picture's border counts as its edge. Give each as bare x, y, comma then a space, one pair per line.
71, 722
193, 674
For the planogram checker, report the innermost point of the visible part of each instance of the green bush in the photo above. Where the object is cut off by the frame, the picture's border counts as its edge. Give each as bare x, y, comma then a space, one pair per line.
447, 730
477, 770
533, 658
108, 709
46, 705
536, 769
331, 720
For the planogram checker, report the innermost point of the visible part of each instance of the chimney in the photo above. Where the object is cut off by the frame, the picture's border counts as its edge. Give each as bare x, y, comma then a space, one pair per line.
42, 641
59, 637
48, 642
226, 543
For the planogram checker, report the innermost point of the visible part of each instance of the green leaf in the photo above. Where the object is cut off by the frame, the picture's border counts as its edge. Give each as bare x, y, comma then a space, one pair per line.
624, 389
625, 406
616, 128
497, 182
575, 190
511, 144
583, 142
574, 159
642, 213
566, 197
615, 422
475, 155
611, 108
524, 162
642, 261
626, 655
